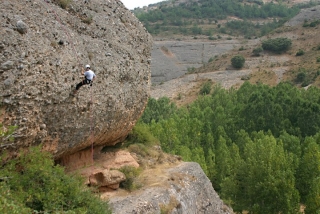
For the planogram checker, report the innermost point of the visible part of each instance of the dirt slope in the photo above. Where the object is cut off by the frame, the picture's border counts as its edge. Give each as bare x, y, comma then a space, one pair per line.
269, 68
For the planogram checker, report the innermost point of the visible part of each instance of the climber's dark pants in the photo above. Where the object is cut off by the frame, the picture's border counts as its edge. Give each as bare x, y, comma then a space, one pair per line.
83, 82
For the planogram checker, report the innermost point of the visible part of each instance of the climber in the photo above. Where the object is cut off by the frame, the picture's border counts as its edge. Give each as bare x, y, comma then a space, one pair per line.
89, 76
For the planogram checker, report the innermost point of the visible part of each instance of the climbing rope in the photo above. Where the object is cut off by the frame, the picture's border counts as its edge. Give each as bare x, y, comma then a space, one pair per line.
79, 64
92, 124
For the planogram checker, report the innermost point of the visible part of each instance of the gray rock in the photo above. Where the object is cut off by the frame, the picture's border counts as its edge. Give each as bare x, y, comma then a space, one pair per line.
7, 65
22, 27
46, 73
187, 191
107, 178
43, 126
8, 82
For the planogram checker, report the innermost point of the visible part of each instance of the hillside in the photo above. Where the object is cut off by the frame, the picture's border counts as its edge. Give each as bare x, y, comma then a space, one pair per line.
268, 68
48, 133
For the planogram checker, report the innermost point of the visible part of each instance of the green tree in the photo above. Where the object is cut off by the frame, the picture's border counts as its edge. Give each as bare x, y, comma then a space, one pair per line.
238, 61
223, 163
34, 184
309, 170
278, 45
312, 200
269, 184
230, 186
157, 110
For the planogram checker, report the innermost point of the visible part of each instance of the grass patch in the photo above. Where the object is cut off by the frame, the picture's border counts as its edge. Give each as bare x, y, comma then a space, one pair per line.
64, 3
168, 208
131, 174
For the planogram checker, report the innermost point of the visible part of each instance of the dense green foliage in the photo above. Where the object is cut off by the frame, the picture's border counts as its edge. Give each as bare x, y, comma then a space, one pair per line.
278, 45
250, 29
258, 145
187, 18
32, 183
237, 61
216, 9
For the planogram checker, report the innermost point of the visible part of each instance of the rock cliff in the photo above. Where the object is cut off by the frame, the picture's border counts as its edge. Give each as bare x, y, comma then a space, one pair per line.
44, 46
180, 189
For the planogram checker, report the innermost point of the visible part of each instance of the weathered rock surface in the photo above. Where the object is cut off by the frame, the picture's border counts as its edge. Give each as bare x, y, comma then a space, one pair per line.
43, 49
182, 189
107, 178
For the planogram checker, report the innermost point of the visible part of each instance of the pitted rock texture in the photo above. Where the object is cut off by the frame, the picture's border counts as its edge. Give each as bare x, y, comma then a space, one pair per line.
181, 189
43, 52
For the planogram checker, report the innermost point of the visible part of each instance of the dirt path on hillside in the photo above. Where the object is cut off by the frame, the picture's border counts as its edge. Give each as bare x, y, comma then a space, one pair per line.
185, 89
190, 82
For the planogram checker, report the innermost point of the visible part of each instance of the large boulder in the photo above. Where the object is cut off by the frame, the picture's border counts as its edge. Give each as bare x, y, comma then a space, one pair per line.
107, 178
44, 46
178, 189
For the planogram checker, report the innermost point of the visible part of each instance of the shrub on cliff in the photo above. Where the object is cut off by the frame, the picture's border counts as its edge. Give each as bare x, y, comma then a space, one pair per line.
64, 3
32, 183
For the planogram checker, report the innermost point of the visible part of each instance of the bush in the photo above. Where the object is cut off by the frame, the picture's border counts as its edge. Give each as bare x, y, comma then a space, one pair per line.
131, 173
300, 53
191, 70
33, 184
242, 48
301, 77
277, 45
314, 23
257, 51
64, 3
238, 61
141, 134
206, 88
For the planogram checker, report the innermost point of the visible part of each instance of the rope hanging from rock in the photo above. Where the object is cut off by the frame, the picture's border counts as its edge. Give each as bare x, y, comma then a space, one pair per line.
80, 66
91, 125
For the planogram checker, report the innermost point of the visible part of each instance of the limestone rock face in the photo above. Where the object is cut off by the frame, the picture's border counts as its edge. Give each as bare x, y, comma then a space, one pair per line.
187, 190
43, 50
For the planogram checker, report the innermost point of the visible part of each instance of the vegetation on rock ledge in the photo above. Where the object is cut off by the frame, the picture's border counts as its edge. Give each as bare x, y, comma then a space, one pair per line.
32, 183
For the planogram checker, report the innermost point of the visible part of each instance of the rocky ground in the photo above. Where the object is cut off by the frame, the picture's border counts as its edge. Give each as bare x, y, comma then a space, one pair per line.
181, 189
